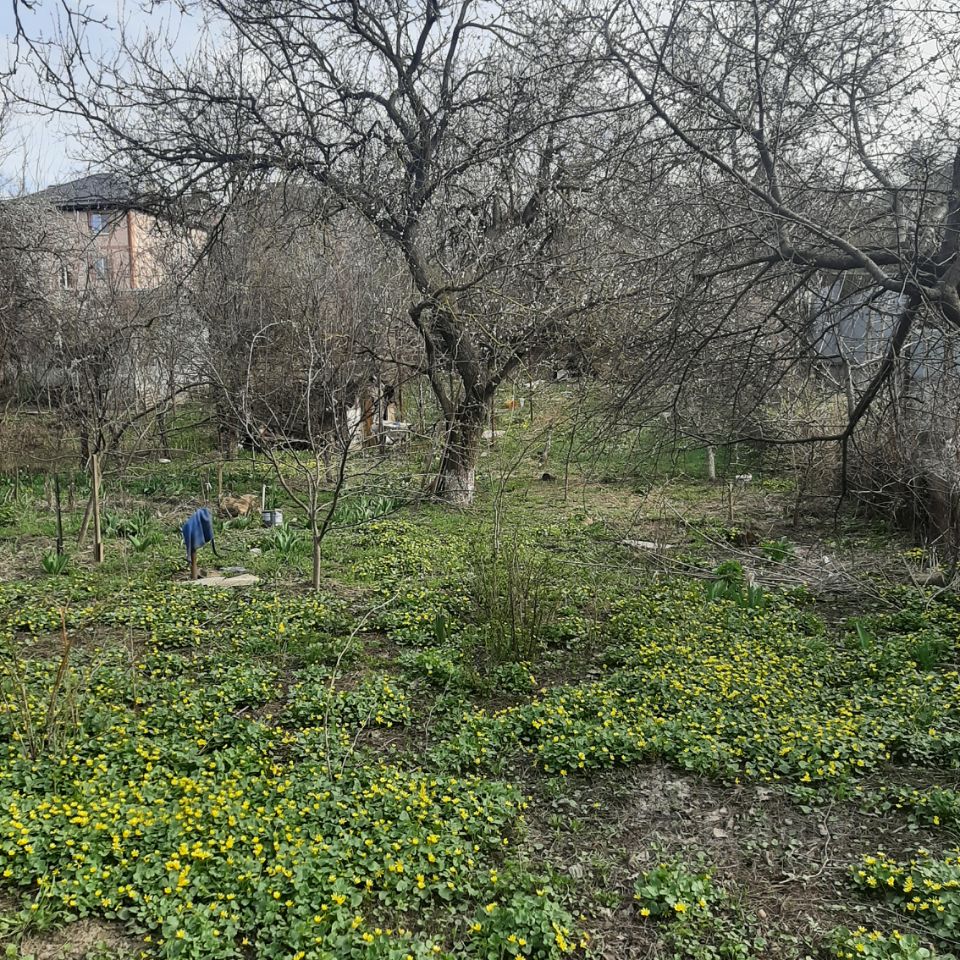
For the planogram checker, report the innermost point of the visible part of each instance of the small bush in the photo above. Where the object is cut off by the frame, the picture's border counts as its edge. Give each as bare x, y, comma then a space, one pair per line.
778, 551
284, 541
125, 527
731, 584
929, 649
731, 573
55, 563
239, 523
510, 588
362, 508
142, 542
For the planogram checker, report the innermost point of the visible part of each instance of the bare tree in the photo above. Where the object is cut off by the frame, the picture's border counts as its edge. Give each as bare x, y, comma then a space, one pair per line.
295, 300
809, 127
80, 344
797, 142
460, 131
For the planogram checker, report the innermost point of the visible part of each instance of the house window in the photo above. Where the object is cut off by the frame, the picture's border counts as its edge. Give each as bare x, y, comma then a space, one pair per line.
98, 222
98, 268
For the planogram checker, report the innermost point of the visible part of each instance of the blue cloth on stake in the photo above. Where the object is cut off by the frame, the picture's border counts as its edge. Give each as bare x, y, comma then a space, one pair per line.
197, 531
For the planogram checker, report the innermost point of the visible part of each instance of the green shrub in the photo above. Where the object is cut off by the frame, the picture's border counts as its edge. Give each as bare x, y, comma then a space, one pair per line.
142, 542
355, 509
55, 563
778, 551
731, 584
730, 572
126, 527
929, 649
284, 541
510, 586
239, 523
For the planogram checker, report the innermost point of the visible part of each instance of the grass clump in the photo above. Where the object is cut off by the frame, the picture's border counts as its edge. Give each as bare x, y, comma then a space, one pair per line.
55, 564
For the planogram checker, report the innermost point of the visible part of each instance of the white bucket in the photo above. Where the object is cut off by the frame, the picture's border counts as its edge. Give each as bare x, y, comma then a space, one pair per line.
272, 518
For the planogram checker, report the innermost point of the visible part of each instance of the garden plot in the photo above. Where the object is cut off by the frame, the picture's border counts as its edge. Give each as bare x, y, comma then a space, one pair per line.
411, 764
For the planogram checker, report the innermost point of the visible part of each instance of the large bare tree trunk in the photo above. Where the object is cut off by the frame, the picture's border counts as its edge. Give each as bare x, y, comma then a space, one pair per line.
456, 476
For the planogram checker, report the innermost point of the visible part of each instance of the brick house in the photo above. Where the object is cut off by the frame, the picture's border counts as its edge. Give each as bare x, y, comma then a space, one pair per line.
112, 239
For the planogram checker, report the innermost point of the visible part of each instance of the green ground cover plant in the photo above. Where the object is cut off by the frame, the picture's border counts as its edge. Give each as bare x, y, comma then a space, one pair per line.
734, 692
927, 885
365, 771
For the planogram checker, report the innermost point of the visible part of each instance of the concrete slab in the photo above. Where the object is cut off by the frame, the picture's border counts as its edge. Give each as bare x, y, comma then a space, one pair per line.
217, 580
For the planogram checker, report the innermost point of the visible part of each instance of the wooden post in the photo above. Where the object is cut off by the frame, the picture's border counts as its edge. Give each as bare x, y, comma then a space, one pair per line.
56, 496
398, 392
421, 412
95, 501
730, 502
219, 480
194, 572
367, 414
711, 464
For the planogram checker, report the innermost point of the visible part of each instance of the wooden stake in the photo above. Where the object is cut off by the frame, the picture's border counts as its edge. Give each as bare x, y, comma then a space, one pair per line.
194, 572
56, 498
219, 480
95, 500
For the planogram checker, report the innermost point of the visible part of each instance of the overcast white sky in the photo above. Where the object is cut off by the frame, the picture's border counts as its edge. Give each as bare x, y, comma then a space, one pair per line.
39, 150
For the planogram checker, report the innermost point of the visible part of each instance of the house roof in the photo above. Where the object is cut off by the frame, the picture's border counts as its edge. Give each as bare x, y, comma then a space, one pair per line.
95, 191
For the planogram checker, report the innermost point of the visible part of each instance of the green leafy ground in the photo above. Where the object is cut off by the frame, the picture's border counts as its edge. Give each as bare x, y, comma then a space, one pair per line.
366, 773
